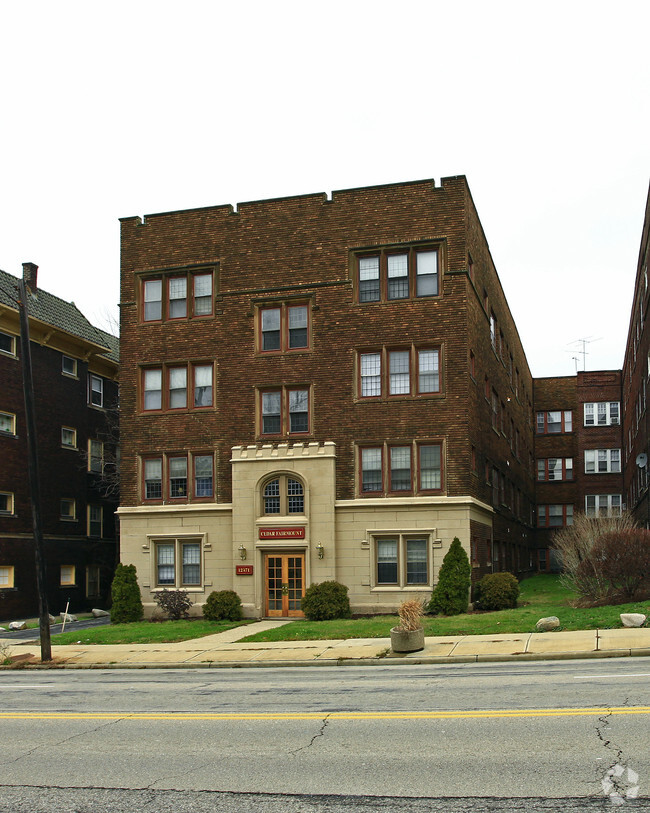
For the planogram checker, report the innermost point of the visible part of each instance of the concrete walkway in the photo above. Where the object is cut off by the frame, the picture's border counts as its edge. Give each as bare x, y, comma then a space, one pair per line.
225, 649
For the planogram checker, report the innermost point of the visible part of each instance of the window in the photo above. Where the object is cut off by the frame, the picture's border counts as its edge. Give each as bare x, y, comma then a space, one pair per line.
95, 456
8, 423
203, 475
604, 505
283, 327
404, 372
6, 577
401, 560
67, 576
202, 374
67, 509
554, 516
602, 413
394, 469
153, 478
178, 378
152, 389
185, 294
554, 469
96, 390
602, 461
178, 563
553, 423
95, 524
68, 437
177, 467
92, 581
152, 300
390, 275
285, 411
6, 502
7, 344
69, 366
283, 495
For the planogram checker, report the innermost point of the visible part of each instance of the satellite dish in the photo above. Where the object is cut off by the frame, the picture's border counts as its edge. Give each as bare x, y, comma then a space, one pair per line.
642, 460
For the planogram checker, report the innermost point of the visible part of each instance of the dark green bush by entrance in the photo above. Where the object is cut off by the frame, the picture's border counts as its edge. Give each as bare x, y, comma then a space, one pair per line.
451, 593
497, 591
223, 605
325, 601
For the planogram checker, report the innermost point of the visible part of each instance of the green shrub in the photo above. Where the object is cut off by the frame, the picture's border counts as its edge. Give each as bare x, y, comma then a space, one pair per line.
174, 603
223, 605
497, 591
326, 600
125, 593
451, 593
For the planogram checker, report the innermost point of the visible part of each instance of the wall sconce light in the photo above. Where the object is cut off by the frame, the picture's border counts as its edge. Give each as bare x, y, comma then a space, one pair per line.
321, 551
242, 552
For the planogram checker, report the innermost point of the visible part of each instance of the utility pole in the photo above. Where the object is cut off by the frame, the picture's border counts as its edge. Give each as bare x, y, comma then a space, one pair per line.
34, 480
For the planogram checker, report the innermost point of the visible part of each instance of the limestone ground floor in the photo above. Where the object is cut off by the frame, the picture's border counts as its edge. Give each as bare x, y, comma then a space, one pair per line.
285, 530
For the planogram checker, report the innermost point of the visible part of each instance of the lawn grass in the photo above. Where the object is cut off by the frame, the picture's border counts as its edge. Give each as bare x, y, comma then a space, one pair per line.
146, 632
540, 596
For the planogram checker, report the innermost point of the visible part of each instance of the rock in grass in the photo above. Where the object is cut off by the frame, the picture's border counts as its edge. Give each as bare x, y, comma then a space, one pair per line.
633, 619
17, 625
99, 613
551, 622
67, 617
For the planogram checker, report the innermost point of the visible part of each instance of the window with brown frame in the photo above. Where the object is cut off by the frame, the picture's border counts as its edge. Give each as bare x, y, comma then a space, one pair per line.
283, 327
400, 468
398, 372
284, 411
283, 495
178, 295
178, 477
554, 516
186, 386
404, 272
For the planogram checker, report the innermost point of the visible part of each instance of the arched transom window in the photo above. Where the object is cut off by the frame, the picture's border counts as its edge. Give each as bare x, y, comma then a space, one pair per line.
284, 495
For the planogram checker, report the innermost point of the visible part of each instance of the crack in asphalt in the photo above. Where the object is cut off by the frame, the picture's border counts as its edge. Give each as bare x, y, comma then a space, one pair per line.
319, 733
613, 782
62, 742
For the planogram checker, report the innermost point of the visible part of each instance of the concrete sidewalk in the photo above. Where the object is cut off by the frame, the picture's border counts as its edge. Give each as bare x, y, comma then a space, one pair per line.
225, 649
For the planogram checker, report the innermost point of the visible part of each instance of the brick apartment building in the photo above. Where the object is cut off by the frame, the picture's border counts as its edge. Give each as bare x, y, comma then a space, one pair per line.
321, 388
75, 369
636, 375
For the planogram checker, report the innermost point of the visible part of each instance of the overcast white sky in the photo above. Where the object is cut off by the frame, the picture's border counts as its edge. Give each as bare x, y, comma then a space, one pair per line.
128, 108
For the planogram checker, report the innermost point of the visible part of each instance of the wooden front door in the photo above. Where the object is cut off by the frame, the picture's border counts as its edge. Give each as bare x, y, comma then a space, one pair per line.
285, 584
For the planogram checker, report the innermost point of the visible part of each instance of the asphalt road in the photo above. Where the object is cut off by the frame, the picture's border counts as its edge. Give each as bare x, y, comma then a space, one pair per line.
533, 736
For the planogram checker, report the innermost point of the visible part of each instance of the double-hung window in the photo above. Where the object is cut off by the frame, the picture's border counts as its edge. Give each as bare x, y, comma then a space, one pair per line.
69, 366
152, 473
177, 397
178, 477
554, 422
401, 561
178, 380
95, 456
177, 468
6, 502
400, 468
603, 505
178, 295
283, 328
393, 274
152, 389
403, 372
285, 411
203, 475
202, 385
554, 516
554, 469
7, 343
7, 423
95, 521
67, 509
178, 563
602, 413
602, 461
6, 577
95, 390
68, 437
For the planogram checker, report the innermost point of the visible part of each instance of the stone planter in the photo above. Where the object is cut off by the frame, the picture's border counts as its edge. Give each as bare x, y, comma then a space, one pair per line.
406, 640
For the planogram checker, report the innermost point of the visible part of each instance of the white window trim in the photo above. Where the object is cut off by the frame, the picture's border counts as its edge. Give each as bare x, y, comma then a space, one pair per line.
591, 455
12, 419
592, 408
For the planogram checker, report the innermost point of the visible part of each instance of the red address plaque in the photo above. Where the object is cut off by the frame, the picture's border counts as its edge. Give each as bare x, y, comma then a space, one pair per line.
243, 570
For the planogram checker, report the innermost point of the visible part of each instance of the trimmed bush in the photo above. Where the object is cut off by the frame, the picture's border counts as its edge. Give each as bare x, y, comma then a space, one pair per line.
174, 603
451, 594
326, 600
125, 593
223, 605
497, 591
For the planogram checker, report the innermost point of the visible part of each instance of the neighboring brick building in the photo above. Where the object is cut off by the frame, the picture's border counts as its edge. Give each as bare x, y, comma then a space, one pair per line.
75, 369
636, 374
316, 389
578, 452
